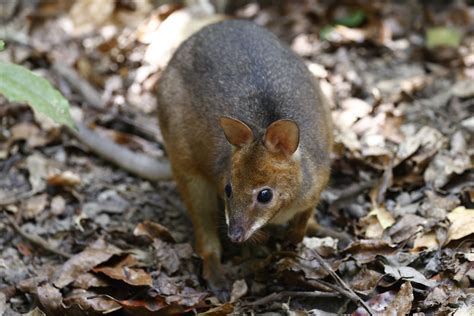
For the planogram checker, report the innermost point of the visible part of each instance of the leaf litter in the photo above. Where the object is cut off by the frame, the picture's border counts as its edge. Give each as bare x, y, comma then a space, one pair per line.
401, 187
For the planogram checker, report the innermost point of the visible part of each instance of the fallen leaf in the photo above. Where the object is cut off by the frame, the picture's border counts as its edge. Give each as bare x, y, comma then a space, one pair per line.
178, 26
50, 299
406, 227
89, 14
365, 280
87, 300
89, 280
84, 261
462, 223
401, 305
166, 256
153, 230
122, 270
149, 306
408, 274
34, 205
383, 216
63, 179
239, 289
427, 241
365, 251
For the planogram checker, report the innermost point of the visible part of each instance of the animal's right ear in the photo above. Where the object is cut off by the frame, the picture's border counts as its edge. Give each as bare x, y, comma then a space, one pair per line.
237, 132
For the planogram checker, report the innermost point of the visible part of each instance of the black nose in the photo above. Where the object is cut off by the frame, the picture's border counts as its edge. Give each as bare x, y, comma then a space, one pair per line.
236, 233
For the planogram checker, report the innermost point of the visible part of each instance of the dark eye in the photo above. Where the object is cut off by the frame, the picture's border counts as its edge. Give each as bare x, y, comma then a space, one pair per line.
228, 190
265, 196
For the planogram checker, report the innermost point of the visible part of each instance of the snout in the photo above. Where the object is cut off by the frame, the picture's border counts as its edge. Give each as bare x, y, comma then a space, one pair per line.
236, 233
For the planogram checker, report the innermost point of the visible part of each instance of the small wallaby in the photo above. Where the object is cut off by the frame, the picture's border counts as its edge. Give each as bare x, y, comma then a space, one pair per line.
243, 120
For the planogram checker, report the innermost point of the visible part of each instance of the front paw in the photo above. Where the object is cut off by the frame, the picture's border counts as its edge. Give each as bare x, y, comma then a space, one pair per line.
220, 287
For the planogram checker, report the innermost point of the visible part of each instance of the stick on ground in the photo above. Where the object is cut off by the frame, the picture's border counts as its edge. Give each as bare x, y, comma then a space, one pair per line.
37, 240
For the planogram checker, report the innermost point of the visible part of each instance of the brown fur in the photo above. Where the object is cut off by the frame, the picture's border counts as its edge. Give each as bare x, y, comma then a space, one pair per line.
238, 108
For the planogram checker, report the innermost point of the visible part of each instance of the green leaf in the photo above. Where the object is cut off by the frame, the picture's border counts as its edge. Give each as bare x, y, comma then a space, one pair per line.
354, 19
443, 36
326, 32
2, 45
19, 84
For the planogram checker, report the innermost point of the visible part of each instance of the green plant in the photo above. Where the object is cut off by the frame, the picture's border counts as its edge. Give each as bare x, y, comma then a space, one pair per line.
18, 84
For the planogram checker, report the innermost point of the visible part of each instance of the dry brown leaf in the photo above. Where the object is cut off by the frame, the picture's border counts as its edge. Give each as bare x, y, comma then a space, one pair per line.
371, 227
366, 280
34, 205
153, 230
87, 301
175, 29
89, 280
365, 251
84, 261
30, 133
89, 14
406, 227
401, 305
149, 306
65, 178
383, 216
427, 241
462, 223
427, 141
122, 270
50, 299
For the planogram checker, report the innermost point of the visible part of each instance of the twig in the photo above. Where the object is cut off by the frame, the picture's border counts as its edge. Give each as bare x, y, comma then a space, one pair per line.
347, 291
138, 164
84, 88
279, 296
37, 240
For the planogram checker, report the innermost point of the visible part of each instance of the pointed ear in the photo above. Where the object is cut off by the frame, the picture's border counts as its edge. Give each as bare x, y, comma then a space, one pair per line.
237, 132
282, 136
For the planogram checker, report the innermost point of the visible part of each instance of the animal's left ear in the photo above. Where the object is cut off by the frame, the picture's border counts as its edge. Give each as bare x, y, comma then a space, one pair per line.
282, 136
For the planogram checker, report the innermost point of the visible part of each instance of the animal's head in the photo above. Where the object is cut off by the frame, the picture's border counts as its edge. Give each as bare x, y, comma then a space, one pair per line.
265, 175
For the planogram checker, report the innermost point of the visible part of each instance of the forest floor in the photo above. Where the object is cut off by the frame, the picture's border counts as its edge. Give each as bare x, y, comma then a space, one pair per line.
80, 236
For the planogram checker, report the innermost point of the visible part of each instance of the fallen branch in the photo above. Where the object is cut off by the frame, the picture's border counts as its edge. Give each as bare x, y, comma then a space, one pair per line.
37, 240
346, 290
137, 164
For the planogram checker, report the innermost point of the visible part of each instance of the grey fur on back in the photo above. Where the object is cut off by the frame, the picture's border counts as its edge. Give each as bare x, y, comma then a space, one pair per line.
238, 69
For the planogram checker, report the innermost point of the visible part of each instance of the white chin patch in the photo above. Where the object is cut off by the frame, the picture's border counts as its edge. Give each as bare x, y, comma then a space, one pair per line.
226, 217
258, 224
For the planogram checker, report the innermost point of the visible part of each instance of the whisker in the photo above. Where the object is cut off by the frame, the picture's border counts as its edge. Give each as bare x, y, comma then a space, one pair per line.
258, 237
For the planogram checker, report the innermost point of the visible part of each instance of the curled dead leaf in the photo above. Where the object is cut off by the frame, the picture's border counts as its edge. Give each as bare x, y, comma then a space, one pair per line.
153, 230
